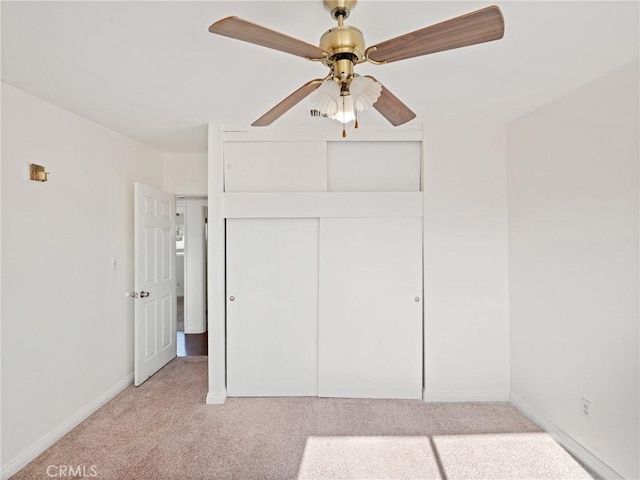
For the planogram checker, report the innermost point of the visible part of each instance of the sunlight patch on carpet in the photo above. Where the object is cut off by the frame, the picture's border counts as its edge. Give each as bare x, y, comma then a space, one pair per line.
534, 456
373, 458
514, 456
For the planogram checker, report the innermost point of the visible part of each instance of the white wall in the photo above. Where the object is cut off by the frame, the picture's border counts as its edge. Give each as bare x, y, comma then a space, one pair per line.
465, 265
185, 173
180, 220
573, 254
195, 320
67, 341
180, 274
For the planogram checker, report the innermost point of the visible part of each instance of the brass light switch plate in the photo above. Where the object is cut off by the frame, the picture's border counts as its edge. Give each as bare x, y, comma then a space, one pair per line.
37, 173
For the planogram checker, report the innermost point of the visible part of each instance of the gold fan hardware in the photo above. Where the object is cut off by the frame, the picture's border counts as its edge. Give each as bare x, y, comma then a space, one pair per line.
343, 39
339, 8
370, 60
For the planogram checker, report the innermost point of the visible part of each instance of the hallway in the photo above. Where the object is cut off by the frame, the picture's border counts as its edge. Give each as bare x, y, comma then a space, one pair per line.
192, 344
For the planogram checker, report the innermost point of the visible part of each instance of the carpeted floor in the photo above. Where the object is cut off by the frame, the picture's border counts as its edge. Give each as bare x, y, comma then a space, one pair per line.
163, 430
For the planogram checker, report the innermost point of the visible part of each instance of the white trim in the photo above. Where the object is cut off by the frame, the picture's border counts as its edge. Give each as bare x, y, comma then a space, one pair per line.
31, 452
465, 396
217, 269
185, 305
216, 398
322, 204
423, 183
566, 440
304, 134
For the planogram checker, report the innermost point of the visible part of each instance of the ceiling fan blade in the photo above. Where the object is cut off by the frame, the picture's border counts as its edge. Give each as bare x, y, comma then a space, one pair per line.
480, 26
286, 104
391, 108
239, 29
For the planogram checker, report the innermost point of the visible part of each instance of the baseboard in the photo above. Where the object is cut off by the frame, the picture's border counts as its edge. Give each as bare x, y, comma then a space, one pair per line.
197, 332
567, 441
216, 398
30, 453
465, 397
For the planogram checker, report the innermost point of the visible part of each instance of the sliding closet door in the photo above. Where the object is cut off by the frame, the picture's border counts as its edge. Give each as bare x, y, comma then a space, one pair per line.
370, 325
272, 307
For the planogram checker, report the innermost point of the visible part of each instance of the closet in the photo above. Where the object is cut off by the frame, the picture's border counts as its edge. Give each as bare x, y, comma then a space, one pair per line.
323, 259
370, 325
272, 307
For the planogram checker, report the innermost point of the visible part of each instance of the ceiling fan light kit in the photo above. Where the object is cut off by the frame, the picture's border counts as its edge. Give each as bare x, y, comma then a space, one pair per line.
324, 99
365, 92
341, 100
343, 93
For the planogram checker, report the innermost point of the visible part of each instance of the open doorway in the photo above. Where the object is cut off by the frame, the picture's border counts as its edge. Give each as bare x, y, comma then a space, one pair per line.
191, 285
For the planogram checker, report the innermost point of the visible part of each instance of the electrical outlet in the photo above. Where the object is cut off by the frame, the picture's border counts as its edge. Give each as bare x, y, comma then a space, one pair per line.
585, 408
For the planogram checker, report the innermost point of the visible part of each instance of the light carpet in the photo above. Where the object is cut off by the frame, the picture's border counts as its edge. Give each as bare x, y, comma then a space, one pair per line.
163, 430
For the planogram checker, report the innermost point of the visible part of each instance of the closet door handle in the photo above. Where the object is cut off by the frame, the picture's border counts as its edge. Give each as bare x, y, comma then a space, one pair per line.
144, 294
232, 298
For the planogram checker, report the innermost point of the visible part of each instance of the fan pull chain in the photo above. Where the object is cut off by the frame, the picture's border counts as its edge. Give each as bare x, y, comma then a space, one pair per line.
344, 130
355, 125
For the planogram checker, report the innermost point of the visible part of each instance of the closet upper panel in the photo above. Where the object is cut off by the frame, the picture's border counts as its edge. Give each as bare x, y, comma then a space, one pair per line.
275, 167
374, 166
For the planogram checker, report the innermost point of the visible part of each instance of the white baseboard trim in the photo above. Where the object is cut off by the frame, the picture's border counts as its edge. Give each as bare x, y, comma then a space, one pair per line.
216, 398
194, 331
569, 443
465, 397
31, 452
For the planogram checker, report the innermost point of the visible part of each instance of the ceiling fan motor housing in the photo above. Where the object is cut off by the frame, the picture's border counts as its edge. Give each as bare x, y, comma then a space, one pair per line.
343, 40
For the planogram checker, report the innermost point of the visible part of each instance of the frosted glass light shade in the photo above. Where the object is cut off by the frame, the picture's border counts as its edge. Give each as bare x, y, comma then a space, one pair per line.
365, 92
325, 98
345, 113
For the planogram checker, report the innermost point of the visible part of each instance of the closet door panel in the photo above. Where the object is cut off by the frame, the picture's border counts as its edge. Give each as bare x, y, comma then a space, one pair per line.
272, 307
370, 321
275, 167
374, 166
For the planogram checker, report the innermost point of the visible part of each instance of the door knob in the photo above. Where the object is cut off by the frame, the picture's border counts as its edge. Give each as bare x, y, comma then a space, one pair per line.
232, 298
144, 294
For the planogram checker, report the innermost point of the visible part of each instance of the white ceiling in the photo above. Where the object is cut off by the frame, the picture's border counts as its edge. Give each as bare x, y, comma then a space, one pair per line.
153, 72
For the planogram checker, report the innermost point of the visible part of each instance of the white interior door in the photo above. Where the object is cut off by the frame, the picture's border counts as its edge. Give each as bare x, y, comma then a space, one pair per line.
272, 307
155, 280
370, 325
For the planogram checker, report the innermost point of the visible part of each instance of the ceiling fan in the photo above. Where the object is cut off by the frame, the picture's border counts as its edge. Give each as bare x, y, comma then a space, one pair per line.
343, 93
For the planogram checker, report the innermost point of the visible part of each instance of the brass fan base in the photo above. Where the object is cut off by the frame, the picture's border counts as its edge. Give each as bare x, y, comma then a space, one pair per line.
339, 7
343, 39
